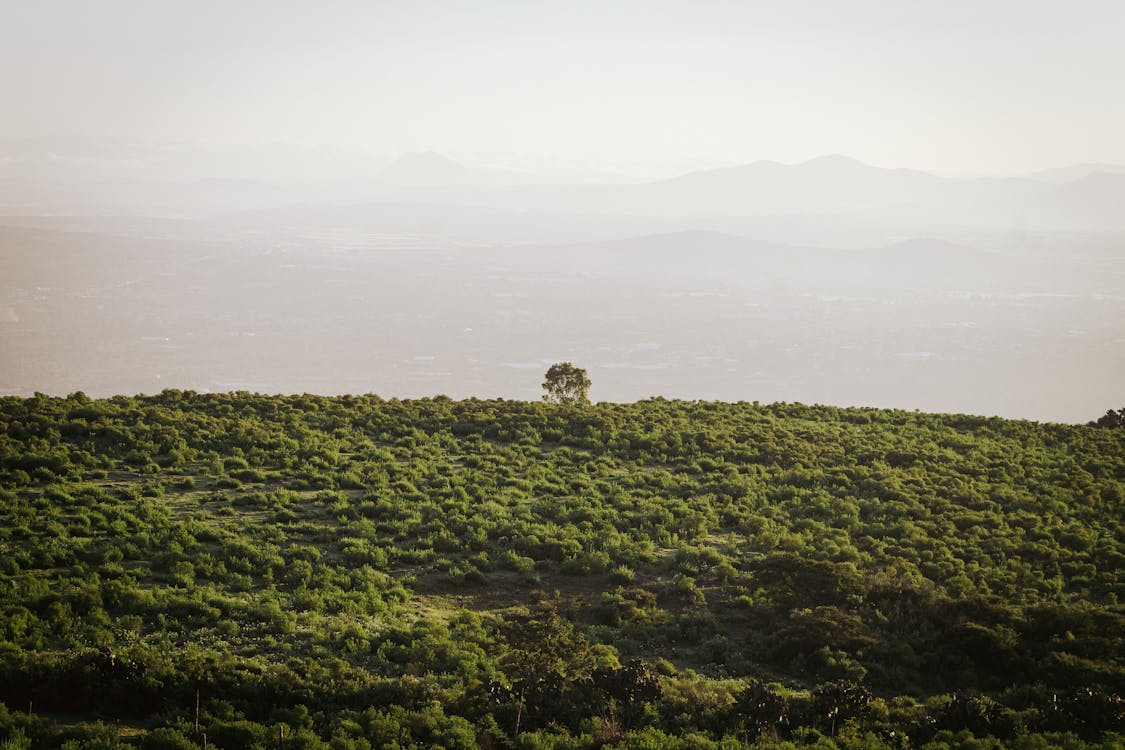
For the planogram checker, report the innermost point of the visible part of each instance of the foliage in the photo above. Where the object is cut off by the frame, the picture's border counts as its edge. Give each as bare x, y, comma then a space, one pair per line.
362, 572
566, 384
1111, 418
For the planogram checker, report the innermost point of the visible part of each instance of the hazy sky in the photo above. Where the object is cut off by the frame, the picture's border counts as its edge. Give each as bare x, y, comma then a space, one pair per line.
973, 86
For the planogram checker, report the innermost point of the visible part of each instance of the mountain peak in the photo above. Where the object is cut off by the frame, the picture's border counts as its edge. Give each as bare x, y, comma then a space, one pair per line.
425, 157
424, 168
1076, 172
834, 160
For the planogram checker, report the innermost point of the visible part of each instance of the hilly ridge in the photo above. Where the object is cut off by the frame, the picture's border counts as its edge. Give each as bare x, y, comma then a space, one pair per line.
430, 572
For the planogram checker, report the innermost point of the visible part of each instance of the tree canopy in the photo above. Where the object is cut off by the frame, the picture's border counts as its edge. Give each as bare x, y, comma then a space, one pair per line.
566, 384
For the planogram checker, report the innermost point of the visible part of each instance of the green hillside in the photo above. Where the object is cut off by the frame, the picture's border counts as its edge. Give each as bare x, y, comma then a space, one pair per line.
354, 572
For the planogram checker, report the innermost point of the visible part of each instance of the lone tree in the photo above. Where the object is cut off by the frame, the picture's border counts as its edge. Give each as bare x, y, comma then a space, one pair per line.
566, 384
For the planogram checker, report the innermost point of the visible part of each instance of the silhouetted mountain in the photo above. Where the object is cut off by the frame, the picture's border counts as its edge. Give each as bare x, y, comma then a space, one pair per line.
1094, 203
425, 168
829, 200
829, 186
429, 169
1076, 172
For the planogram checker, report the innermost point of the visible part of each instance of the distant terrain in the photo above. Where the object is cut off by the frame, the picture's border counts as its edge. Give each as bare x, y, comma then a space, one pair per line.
355, 572
1029, 330
131, 267
104, 176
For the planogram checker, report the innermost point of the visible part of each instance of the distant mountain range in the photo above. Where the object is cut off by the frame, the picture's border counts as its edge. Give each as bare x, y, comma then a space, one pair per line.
428, 168
1076, 172
765, 199
826, 188
1095, 202
838, 186
829, 190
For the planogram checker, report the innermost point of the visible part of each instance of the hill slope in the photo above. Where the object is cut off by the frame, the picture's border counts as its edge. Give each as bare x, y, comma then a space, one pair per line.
435, 572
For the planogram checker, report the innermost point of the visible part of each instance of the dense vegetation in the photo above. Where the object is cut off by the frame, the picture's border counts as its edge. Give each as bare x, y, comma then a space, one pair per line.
309, 572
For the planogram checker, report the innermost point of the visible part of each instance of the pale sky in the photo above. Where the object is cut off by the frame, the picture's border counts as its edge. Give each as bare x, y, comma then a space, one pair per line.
980, 86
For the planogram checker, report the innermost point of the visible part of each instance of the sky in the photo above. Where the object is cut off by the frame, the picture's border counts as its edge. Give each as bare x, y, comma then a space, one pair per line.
987, 86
